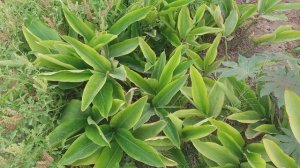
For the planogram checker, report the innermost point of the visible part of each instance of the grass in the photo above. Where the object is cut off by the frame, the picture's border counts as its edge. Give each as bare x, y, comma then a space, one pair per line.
28, 107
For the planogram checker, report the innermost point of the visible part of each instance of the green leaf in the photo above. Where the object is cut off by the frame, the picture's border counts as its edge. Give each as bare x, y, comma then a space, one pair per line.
139, 81
92, 88
212, 52
217, 96
88, 160
199, 91
285, 6
81, 148
171, 132
65, 130
184, 23
104, 100
138, 149
54, 60
101, 40
159, 66
128, 19
246, 11
199, 31
230, 143
95, 134
166, 94
77, 24
90, 55
149, 130
196, 132
123, 48
128, 117
167, 73
247, 117
277, 156
222, 126
171, 36
110, 157
255, 160
40, 30
199, 13
231, 22
148, 53
33, 40
67, 75
174, 6
292, 102
215, 152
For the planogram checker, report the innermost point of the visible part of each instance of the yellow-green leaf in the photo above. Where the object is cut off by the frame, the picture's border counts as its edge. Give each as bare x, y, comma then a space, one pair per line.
92, 88
277, 156
123, 48
67, 75
110, 157
128, 117
148, 53
184, 23
191, 132
292, 104
212, 52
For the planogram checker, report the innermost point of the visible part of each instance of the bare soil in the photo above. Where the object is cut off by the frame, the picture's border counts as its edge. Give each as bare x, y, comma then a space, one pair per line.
242, 43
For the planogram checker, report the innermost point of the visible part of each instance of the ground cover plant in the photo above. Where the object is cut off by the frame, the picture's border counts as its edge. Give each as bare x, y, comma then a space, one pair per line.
147, 85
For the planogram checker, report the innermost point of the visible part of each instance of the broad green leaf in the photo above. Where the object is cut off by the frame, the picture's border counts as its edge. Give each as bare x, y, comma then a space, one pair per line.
289, 35
72, 111
167, 73
199, 13
161, 142
264, 5
174, 6
92, 88
196, 132
67, 75
247, 117
159, 66
95, 134
33, 40
104, 100
188, 113
231, 22
277, 156
168, 162
216, 96
166, 94
178, 156
88, 160
149, 130
285, 6
212, 52
123, 48
171, 36
110, 157
255, 160
128, 19
148, 53
139, 81
222, 126
246, 11
119, 73
230, 143
128, 117
52, 59
199, 31
172, 132
184, 23
81, 148
65, 130
199, 91
215, 152
77, 24
101, 40
90, 55
40, 30
292, 103
267, 128
137, 149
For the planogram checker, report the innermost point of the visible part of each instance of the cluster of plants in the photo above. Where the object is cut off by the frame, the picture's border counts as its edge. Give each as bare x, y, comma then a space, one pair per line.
150, 87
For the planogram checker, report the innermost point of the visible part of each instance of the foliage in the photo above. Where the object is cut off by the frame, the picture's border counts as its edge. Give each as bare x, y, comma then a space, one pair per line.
144, 103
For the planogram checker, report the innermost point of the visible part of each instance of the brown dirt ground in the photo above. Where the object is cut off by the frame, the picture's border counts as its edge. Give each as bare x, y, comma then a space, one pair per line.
242, 44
